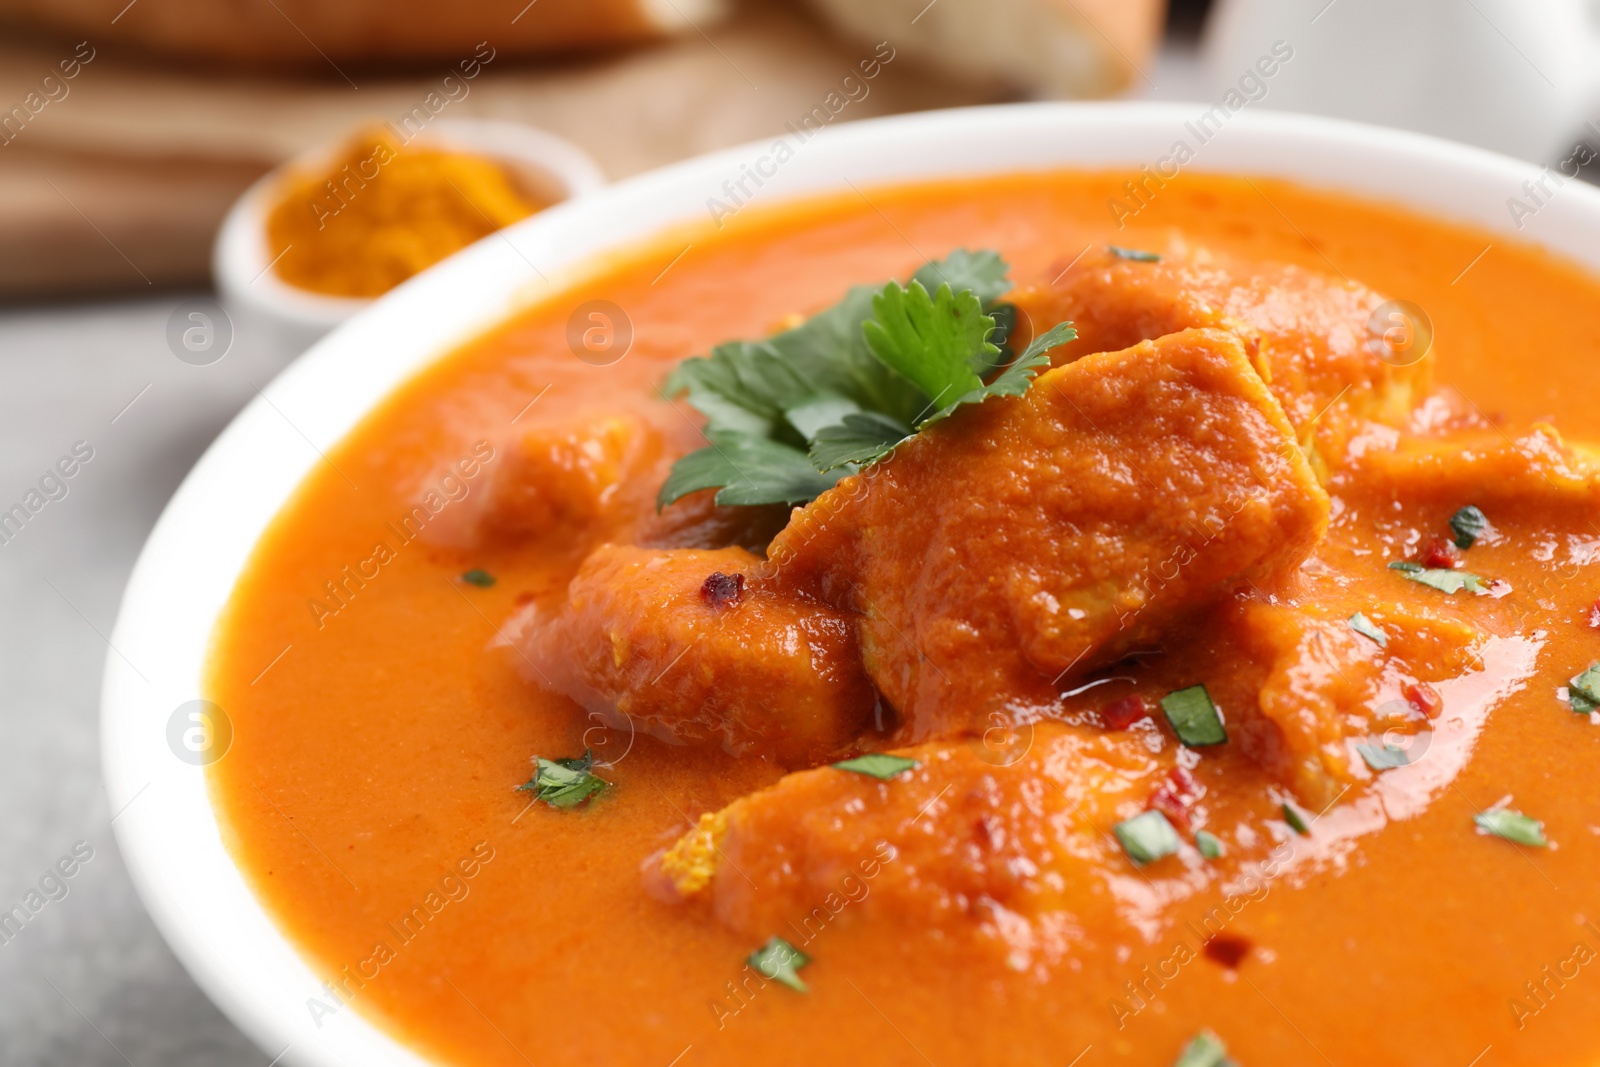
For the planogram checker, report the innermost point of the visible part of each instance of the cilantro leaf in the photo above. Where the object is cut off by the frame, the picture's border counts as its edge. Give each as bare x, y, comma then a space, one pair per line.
1209, 844
816, 413
860, 438
1368, 629
934, 341
1194, 717
1134, 254
564, 783
1296, 821
479, 577
983, 272
777, 960
879, 765
1205, 1049
1146, 837
1513, 826
749, 470
1469, 524
1583, 691
1383, 757
788, 416
1441, 578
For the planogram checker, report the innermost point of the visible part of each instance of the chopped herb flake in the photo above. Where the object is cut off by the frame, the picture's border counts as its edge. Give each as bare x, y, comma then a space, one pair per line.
1383, 757
1134, 254
1296, 821
1147, 837
879, 765
1469, 524
1205, 1049
1583, 692
564, 783
1366, 628
778, 960
1441, 578
788, 416
1194, 717
1208, 843
1513, 826
480, 578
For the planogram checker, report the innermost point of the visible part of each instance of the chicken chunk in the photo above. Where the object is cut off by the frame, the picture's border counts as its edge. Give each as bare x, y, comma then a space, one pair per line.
1307, 333
1328, 688
1016, 854
1491, 467
692, 648
1022, 539
574, 480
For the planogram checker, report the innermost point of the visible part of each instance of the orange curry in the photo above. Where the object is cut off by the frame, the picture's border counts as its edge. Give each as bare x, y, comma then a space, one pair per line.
1231, 680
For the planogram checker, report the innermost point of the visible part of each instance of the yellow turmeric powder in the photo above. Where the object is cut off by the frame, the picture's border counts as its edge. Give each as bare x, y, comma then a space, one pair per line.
382, 212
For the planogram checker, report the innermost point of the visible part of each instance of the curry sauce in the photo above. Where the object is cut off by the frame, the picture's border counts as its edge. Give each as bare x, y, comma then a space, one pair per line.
988, 902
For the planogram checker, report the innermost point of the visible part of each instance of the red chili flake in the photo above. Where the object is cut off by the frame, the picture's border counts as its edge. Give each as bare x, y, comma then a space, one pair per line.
989, 832
1175, 796
720, 589
1121, 714
1228, 950
1440, 552
1425, 698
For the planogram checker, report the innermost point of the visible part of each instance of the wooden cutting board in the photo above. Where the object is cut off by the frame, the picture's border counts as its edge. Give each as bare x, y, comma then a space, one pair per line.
120, 183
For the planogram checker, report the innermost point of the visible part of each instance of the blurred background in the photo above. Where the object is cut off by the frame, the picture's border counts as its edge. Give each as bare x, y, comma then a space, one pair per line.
129, 128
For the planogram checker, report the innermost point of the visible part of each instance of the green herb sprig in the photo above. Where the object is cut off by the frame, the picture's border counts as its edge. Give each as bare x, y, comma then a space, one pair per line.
1513, 826
879, 765
779, 961
788, 416
1441, 578
1146, 837
1583, 690
1194, 717
565, 783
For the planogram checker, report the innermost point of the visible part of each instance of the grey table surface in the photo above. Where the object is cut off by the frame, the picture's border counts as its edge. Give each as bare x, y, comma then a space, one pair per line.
89, 981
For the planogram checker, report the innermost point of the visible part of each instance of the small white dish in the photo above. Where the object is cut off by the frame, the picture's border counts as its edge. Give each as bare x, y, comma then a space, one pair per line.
165, 824
290, 319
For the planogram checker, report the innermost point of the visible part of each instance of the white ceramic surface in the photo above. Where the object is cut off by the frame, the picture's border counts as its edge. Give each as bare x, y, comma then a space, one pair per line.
263, 304
1516, 76
168, 832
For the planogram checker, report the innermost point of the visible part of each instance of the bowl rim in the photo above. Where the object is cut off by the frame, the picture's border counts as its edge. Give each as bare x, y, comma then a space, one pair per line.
164, 823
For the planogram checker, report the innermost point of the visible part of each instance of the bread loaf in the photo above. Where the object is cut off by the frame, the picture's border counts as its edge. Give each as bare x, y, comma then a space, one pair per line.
313, 33
1050, 48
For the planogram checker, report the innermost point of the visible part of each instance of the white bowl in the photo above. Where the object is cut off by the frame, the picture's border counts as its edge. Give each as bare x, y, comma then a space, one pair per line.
168, 831
291, 319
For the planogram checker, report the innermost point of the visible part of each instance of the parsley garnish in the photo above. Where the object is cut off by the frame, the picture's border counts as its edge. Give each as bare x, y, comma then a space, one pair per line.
778, 961
1208, 843
879, 765
1513, 826
1469, 524
564, 783
1366, 628
789, 416
1194, 717
1583, 692
1205, 1049
1296, 821
1441, 578
1133, 254
1147, 837
480, 578
1383, 757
